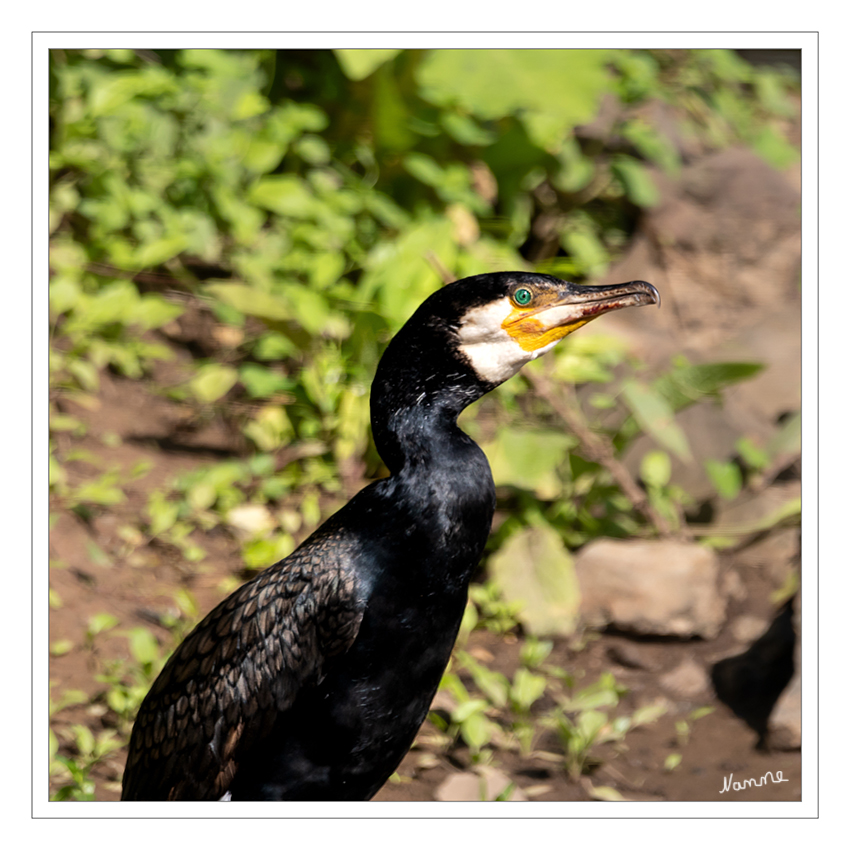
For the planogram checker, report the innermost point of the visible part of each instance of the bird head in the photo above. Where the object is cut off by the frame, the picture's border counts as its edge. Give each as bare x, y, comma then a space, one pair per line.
469, 337
507, 319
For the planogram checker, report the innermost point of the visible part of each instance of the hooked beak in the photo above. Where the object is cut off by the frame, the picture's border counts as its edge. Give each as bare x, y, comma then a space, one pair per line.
583, 303
569, 307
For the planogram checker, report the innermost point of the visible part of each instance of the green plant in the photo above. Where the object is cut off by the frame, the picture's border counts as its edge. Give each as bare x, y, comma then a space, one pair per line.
74, 771
581, 727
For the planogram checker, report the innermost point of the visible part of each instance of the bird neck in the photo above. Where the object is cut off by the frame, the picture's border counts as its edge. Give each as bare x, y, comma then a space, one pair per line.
419, 391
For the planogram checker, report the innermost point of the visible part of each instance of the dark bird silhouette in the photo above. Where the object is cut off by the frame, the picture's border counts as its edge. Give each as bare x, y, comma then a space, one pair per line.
752, 682
311, 681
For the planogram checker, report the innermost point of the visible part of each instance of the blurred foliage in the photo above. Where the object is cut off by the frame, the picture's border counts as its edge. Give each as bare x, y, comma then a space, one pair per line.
245, 230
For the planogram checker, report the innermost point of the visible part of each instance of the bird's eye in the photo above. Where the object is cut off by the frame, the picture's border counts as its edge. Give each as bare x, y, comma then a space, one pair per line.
522, 297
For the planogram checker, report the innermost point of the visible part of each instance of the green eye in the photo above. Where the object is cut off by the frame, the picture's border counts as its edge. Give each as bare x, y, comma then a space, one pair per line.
522, 297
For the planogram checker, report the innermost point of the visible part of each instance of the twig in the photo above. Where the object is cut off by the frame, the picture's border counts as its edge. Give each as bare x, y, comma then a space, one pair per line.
445, 275
600, 451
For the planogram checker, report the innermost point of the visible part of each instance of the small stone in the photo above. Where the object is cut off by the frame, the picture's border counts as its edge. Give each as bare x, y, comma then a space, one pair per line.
634, 656
732, 586
686, 681
747, 628
487, 784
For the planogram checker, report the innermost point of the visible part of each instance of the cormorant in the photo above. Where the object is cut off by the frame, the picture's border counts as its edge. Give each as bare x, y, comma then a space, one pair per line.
310, 681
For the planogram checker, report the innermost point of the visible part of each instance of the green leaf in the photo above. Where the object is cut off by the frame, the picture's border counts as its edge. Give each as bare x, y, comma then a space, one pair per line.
607, 793
285, 194
262, 382
787, 440
97, 555
477, 731
637, 182
647, 714
552, 91
655, 468
61, 647
534, 651
63, 422
251, 301
527, 688
590, 724
775, 149
533, 568
686, 385
590, 255
143, 645
391, 117
65, 294
399, 275
359, 64
652, 144
672, 761
752, 455
529, 460
263, 553
464, 130
703, 711
212, 381
99, 492
467, 708
159, 250
655, 417
154, 312
269, 429
162, 513
592, 698
491, 683
725, 476
101, 622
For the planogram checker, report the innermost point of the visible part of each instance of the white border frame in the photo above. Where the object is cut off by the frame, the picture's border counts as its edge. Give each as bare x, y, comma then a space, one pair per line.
42, 42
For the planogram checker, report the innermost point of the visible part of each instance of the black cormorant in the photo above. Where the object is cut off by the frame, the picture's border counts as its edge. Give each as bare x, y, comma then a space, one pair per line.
311, 680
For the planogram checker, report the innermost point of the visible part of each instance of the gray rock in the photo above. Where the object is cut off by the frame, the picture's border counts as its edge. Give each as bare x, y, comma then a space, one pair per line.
657, 587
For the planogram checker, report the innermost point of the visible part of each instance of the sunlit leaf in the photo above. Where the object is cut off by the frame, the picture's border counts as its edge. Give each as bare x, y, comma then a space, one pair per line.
212, 381
552, 90
607, 793
477, 731
251, 301
527, 688
688, 384
655, 468
529, 459
61, 647
725, 476
672, 761
639, 186
359, 64
533, 568
143, 645
655, 416
101, 622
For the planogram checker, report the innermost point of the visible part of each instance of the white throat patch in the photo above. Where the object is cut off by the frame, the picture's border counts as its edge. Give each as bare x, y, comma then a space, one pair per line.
494, 354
